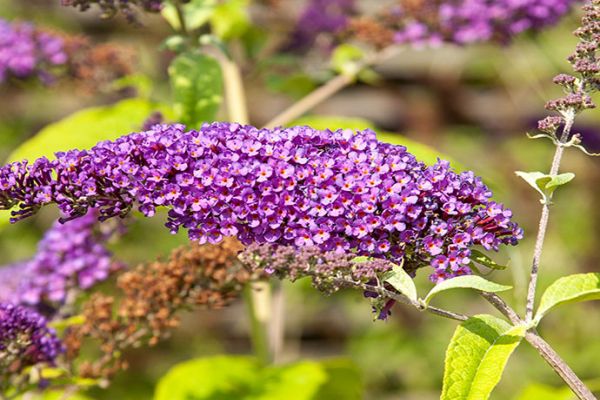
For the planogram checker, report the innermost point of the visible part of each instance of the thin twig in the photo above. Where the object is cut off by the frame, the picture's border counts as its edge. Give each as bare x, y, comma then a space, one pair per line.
543, 224
328, 89
559, 366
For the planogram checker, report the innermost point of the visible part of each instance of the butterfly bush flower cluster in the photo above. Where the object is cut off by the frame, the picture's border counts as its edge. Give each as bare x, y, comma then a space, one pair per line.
25, 340
70, 257
340, 191
26, 51
318, 18
432, 22
578, 89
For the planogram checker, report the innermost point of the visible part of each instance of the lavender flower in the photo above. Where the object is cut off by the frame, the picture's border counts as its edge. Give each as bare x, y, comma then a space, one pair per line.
340, 191
26, 51
70, 256
25, 339
320, 17
431, 22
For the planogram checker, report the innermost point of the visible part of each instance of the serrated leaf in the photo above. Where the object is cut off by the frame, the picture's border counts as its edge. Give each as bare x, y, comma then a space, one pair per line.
402, 282
476, 357
569, 289
484, 260
466, 282
197, 86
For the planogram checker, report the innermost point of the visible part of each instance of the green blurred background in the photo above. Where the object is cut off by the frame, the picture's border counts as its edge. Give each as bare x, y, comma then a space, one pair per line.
473, 104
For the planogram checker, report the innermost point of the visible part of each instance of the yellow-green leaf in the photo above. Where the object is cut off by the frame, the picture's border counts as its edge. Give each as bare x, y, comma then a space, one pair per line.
477, 355
569, 289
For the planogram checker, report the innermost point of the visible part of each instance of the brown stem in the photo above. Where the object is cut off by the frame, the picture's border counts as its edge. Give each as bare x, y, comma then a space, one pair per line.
559, 366
327, 90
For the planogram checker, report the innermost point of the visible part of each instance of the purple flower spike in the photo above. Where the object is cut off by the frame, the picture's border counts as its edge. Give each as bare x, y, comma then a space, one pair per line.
347, 192
470, 21
26, 52
71, 256
25, 339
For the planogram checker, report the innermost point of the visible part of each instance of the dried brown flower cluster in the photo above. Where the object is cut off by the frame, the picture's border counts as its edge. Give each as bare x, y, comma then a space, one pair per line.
96, 66
207, 275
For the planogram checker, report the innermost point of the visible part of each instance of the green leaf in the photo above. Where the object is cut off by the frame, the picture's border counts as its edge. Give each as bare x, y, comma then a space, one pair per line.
569, 289
237, 377
402, 282
536, 180
208, 378
538, 391
559, 180
421, 151
61, 324
197, 86
346, 59
476, 357
196, 13
545, 184
468, 282
85, 128
230, 19
484, 260
344, 381
53, 395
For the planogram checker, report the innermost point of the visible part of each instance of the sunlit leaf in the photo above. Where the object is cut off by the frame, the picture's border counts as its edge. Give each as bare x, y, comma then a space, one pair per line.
402, 282
238, 377
569, 289
538, 391
477, 356
230, 19
83, 129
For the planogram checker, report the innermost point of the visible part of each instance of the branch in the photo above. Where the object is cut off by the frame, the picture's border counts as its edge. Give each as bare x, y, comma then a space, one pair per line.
552, 358
327, 90
559, 366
